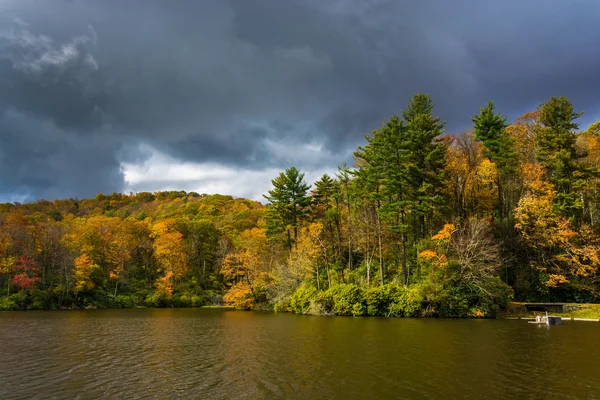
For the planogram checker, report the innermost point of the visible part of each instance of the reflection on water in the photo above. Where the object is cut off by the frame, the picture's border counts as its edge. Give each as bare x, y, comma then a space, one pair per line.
217, 354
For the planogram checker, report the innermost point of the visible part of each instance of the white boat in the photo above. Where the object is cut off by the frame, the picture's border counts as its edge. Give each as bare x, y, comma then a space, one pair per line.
547, 320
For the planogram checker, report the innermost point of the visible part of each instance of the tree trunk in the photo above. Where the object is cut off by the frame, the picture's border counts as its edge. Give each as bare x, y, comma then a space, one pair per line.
349, 235
338, 232
404, 269
318, 281
368, 272
500, 207
380, 254
403, 244
326, 266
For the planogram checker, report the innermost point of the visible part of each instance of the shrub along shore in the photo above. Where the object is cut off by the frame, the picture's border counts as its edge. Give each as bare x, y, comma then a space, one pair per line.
389, 300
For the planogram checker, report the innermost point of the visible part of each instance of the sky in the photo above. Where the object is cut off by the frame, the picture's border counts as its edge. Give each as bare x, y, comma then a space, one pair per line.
218, 96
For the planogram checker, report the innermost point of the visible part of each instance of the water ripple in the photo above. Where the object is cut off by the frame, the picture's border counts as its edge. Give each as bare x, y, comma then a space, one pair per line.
216, 354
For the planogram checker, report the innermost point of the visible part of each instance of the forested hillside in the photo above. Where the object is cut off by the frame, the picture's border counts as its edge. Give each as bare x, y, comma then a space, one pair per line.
423, 224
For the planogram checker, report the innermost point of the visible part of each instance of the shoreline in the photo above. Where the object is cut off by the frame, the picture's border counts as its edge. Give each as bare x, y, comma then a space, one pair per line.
581, 312
586, 312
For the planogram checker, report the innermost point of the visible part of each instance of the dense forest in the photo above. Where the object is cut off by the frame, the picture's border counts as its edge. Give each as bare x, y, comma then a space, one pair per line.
423, 224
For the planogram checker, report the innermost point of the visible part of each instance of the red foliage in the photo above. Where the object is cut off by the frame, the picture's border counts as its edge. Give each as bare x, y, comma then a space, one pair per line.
25, 273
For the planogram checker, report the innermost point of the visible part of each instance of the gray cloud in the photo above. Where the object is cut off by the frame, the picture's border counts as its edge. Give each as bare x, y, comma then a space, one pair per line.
260, 85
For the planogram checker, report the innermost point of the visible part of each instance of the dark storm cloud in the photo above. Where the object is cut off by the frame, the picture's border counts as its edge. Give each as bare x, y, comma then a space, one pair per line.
39, 158
252, 83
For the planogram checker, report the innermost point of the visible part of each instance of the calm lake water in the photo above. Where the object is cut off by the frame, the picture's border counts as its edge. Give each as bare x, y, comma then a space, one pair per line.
218, 354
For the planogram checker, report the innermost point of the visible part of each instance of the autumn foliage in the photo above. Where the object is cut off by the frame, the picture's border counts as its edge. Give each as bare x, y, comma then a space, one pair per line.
425, 223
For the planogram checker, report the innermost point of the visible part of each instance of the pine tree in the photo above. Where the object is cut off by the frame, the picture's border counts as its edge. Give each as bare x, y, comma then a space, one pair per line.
383, 175
289, 201
426, 160
323, 193
325, 209
490, 129
557, 153
345, 195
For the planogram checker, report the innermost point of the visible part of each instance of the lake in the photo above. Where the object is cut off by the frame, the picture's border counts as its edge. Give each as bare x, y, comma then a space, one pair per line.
219, 354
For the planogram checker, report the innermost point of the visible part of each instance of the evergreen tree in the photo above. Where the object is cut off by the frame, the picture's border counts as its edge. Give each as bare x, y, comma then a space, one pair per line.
383, 173
557, 153
490, 129
325, 208
323, 193
289, 200
345, 195
426, 160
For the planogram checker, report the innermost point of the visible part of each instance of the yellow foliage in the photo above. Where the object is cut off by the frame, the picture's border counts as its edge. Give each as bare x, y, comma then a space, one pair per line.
487, 172
477, 313
445, 234
5, 264
247, 268
562, 251
523, 131
164, 284
168, 248
84, 268
107, 241
436, 260
534, 180
554, 280
472, 183
304, 257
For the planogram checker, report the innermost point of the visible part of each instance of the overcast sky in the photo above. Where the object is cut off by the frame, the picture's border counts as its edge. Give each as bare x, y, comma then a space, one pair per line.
220, 96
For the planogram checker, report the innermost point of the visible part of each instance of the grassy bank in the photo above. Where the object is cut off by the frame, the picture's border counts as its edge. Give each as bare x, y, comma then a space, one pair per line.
583, 311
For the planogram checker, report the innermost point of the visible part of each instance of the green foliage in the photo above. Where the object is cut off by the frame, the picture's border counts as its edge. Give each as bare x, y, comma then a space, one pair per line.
426, 157
180, 300
41, 300
122, 301
300, 302
427, 299
201, 299
558, 154
289, 201
401, 170
406, 303
348, 299
454, 299
379, 299
490, 128
7, 304
157, 300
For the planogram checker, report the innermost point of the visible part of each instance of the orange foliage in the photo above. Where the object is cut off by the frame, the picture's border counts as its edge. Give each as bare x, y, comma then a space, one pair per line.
240, 295
164, 284
472, 176
445, 234
562, 252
